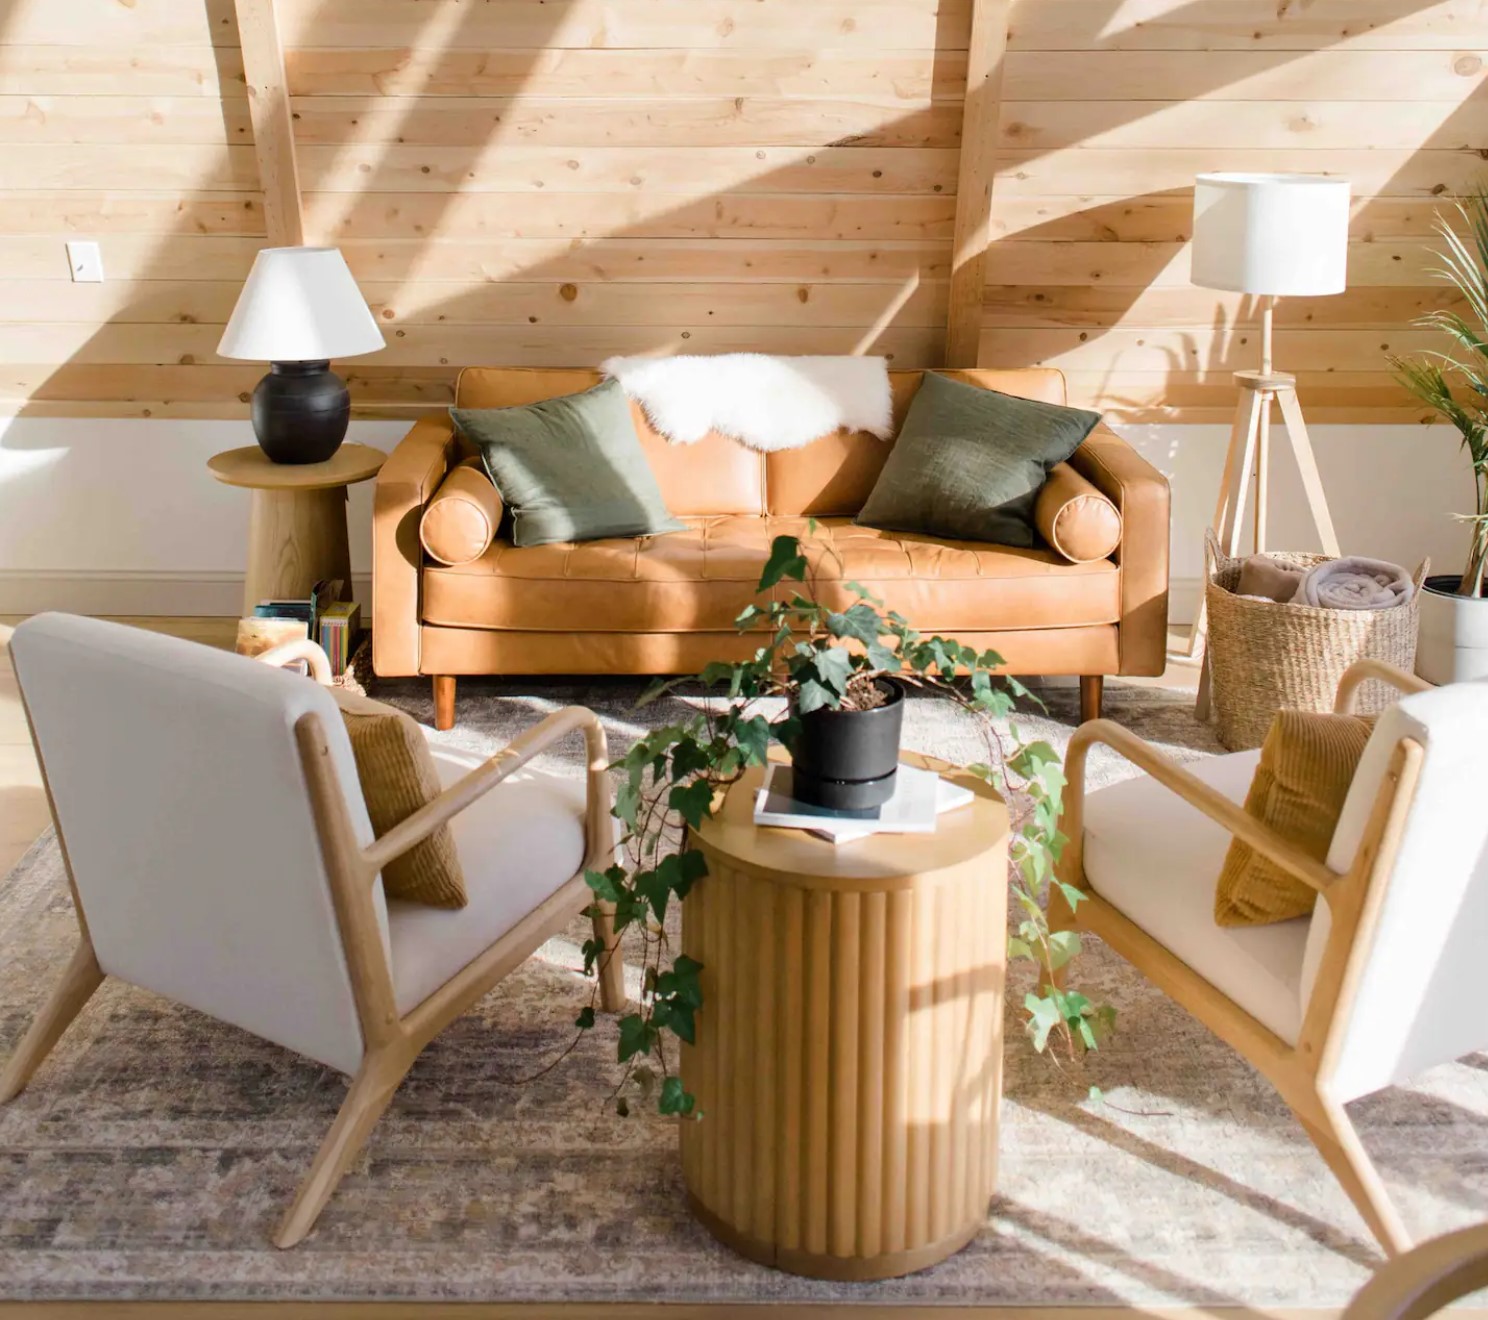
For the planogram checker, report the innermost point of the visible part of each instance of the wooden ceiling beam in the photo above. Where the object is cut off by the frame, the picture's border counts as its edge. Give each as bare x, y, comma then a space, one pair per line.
980, 122
273, 127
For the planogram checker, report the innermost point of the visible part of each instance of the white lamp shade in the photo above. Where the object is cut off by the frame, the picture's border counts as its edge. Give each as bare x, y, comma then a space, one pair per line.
300, 304
1276, 234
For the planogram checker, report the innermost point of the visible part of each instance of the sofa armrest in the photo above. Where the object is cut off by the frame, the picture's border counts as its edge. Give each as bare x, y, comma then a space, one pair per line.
408, 479
1140, 493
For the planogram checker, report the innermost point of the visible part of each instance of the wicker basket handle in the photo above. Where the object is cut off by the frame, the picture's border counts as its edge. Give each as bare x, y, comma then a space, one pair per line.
1422, 573
1212, 554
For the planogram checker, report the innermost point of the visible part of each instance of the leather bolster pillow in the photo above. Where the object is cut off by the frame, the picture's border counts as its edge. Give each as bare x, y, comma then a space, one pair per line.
1076, 519
461, 519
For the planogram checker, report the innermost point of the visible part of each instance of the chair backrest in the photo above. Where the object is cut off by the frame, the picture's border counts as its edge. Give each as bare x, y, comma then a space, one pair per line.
183, 807
1426, 962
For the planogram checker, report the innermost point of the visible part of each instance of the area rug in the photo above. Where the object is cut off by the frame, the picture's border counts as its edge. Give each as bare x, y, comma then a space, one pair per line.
155, 1150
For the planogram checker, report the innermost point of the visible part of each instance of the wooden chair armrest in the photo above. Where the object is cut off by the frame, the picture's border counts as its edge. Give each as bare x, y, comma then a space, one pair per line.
1426, 1279
1361, 671
1191, 789
301, 648
511, 758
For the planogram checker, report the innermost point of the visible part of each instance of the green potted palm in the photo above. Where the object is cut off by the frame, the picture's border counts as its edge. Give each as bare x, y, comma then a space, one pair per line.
847, 670
1453, 643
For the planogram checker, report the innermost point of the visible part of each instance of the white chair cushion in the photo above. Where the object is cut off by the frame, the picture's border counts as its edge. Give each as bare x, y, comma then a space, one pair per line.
1157, 860
518, 844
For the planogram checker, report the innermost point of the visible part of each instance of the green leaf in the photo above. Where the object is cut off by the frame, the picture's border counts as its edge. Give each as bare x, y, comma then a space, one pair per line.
1063, 945
785, 561
1044, 1016
1097, 1095
585, 1019
636, 1036
694, 801
753, 737
606, 884
688, 757
833, 668
674, 1099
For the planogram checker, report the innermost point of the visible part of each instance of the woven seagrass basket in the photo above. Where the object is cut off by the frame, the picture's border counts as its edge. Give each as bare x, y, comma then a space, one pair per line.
1264, 656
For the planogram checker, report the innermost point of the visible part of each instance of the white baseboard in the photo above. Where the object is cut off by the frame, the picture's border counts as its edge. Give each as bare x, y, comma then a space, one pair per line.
93, 591
1183, 601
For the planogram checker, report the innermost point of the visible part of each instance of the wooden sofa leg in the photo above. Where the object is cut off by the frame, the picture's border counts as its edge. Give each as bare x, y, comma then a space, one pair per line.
1092, 688
444, 701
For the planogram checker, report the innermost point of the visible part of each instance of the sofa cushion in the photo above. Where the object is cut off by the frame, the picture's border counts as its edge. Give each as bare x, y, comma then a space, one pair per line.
969, 462
1074, 518
832, 477
715, 476
462, 519
700, 578
569, 468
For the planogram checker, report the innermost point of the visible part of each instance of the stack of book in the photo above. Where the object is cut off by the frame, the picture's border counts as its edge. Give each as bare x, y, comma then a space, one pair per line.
323, 617
919, 797
339, 624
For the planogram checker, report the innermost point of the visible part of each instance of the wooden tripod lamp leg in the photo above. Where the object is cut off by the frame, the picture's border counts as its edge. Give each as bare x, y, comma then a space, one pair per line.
1229, 510
1312, 482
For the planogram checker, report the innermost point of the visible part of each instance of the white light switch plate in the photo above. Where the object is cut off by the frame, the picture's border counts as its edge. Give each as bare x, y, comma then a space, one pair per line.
86, 262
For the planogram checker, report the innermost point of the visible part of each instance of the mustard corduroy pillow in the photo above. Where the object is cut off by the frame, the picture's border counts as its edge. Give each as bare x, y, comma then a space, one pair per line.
397, 774
1307, 764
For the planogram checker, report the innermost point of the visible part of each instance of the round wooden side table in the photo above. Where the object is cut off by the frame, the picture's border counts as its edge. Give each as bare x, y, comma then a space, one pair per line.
297, 518
848, 1059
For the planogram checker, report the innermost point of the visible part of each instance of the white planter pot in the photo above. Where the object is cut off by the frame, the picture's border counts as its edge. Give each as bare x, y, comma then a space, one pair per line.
1453, 644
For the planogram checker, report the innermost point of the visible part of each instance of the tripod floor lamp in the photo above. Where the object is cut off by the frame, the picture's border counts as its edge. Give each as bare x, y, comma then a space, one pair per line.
1268, 235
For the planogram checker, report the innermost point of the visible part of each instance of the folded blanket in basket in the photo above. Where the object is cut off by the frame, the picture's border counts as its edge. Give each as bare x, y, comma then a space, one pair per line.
1269, 579
1353, 583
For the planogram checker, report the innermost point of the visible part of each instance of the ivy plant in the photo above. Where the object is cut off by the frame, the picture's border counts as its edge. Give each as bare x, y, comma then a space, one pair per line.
673, 778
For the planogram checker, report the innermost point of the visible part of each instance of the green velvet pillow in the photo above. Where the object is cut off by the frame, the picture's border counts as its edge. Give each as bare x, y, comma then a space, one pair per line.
969, 462
569, 469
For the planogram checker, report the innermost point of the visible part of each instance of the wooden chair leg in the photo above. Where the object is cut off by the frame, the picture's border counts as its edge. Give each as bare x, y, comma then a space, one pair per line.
82, 977
1092, 689
1337, 1141
444, 701
611, 965
376, 1080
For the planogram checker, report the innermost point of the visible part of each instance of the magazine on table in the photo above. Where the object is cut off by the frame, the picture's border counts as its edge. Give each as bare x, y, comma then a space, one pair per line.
919, 797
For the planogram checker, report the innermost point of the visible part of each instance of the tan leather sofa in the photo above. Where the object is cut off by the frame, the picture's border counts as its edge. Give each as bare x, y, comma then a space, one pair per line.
666, 604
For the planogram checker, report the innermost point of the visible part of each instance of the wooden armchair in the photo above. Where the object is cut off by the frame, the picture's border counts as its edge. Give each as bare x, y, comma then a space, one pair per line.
1358, 996
219, 853
1427, 1279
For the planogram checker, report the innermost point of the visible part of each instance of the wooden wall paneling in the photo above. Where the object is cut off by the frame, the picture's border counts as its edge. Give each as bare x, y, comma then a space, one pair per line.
1112, 106
564, 72
514, 181
273, 128
981, 115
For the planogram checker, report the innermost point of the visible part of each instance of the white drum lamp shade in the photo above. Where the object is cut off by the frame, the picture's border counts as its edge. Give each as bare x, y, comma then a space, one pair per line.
1273, 234
300, 304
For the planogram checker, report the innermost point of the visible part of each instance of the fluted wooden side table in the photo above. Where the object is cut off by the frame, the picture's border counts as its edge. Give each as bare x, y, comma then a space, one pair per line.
848, 1060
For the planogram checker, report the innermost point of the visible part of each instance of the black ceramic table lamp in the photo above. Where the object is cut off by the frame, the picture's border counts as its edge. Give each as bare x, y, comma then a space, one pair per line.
299, 309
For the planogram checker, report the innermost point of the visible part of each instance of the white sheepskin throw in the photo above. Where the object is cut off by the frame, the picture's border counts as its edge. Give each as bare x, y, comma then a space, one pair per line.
764, 402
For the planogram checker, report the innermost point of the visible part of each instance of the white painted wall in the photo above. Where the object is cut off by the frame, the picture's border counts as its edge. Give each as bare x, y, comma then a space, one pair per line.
1390, 489
122, 516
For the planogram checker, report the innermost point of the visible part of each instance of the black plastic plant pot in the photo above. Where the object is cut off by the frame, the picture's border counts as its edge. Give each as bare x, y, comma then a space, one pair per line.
847, 760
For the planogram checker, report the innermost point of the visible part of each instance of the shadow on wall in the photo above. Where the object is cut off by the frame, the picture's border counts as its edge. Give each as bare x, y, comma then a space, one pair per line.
840, 260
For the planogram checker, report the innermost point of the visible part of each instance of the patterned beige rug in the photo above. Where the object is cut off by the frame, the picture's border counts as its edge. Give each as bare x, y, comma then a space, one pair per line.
155, 1150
